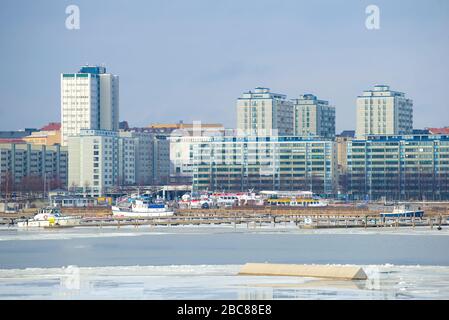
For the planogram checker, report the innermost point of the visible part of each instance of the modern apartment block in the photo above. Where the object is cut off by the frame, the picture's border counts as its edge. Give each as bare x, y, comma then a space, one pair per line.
152, 156
26, 166
143, 150
383, 111
313, 117
89, 100
409, 167
161, 160
181, 157
100, 160
342, 140
264, 163
261, 112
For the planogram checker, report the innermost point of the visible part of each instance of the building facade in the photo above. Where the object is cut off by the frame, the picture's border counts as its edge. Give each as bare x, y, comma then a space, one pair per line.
264, 163
313, 117
384, 112
410, 167
142, 142
161, 160
341, 141
89, 100
48, 135
27, 167
181, 157
100, 160
261, 112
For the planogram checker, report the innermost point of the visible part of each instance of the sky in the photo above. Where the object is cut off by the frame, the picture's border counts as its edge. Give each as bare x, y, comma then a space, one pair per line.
191, 59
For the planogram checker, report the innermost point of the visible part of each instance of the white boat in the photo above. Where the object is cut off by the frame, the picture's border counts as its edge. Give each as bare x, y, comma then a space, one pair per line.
403, 211
141, 207
49, 217
294, 199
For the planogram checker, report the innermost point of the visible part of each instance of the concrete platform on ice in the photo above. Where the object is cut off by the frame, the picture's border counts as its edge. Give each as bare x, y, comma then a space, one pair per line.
296, 270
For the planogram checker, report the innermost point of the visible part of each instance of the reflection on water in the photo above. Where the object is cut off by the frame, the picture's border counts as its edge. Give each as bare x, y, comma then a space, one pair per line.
217, 282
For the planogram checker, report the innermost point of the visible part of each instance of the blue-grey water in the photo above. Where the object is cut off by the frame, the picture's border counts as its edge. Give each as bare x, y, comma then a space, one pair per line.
203, 263
93, 247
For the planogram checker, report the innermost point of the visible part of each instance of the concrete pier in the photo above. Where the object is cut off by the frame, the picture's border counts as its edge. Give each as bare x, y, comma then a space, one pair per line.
296, 270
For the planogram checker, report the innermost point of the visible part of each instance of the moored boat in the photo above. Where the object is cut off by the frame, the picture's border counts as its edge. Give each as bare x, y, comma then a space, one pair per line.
403, 211
49, 217
141, 207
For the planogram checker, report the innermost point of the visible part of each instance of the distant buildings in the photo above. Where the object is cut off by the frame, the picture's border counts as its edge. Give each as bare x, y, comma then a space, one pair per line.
259, 112
341, 141
180, 144
152, 152
15, 136
278, 145
48, 135
313, 117
263, 163
382, 111
89, 100
444, 130
186, 128
399, 167
94, 159
26, 167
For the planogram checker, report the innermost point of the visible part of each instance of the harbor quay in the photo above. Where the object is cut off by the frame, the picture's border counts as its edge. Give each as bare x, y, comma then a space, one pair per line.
255, 217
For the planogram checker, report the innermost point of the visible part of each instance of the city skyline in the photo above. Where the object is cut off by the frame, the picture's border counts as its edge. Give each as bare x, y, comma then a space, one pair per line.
158, 85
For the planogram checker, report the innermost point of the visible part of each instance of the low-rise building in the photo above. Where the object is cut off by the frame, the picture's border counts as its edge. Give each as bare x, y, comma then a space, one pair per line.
395, 167
27, 167
240, 163
48, 135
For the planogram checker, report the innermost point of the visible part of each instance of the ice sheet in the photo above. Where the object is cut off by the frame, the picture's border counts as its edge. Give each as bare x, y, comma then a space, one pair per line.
217, 282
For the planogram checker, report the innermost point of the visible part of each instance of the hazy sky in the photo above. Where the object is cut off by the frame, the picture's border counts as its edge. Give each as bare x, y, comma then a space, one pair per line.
190, 60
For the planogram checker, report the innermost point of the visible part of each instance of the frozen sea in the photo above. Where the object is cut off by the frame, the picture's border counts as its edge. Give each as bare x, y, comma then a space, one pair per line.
194, 262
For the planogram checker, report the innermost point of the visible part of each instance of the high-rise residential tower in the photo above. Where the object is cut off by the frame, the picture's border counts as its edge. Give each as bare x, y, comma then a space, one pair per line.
89, 100
382, 111
313, 117
263, 112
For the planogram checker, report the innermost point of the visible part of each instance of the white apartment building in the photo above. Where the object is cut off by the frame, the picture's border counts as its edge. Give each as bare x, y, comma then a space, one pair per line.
161, 160
262, 112
313, 117
89, 100
144, 155
98, 159
181, 157
383, 111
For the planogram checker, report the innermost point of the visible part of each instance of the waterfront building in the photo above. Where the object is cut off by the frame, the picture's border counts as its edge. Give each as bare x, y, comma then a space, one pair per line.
100, 160
383, 111
261, 112
395, 167
27, 167
341, 141
89, 100
152, 156
313, 117
48, 135
161, 160
240, 163
142, 144
181, 157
